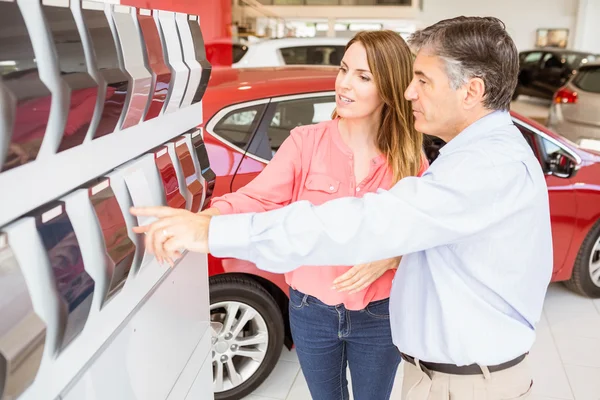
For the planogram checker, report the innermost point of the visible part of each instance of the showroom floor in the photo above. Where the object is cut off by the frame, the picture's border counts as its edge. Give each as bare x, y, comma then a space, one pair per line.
565, 358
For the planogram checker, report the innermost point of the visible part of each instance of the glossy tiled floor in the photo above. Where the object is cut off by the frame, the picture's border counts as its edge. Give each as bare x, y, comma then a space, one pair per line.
565, 358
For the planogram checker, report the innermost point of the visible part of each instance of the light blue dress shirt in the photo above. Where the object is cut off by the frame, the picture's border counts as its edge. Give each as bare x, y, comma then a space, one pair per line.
474, 231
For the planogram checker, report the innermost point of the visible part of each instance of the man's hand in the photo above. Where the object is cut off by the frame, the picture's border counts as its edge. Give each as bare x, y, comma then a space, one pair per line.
361, 276
174, 231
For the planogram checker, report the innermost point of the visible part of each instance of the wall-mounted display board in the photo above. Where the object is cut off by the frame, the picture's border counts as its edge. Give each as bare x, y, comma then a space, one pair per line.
84, 91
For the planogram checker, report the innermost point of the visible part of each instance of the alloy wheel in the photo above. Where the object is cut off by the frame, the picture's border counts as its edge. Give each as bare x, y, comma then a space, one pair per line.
240, 338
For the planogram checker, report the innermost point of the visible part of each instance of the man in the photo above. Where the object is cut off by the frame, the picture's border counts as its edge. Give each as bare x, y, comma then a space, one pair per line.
474, 230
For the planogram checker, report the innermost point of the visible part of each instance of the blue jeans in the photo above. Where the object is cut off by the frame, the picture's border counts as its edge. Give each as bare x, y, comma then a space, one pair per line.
328, 338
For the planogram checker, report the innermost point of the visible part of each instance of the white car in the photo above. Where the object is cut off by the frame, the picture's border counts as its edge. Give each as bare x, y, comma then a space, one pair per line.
292, 51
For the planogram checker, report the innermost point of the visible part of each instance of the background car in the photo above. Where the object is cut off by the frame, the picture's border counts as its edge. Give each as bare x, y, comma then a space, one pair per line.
250, 112
279, 52
575, 110
544, 71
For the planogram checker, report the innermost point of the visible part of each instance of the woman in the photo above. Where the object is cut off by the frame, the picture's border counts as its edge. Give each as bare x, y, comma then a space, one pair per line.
339, 314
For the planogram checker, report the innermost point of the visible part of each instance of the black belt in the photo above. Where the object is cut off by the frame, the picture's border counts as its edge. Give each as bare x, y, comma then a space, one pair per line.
472, 369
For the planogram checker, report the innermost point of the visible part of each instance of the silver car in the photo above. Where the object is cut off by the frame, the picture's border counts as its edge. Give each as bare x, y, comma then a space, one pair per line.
575, 110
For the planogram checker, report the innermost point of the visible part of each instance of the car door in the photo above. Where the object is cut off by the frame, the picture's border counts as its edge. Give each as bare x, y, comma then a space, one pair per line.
529, 69
281, 116
563, 204
551, 75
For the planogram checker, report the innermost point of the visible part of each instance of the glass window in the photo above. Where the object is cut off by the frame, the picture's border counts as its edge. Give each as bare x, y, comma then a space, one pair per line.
293, 113
238, 125
557, 160
552, 149
551, 61
313, 55
588, 79
577, 60
532, 58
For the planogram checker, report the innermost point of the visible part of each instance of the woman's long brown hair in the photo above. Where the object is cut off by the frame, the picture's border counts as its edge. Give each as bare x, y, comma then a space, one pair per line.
391, 63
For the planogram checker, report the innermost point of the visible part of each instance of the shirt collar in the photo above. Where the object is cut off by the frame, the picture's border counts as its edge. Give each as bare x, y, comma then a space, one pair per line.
477, 129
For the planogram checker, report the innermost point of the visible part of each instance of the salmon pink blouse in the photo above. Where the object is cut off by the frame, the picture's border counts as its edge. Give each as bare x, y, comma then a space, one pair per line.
315, 164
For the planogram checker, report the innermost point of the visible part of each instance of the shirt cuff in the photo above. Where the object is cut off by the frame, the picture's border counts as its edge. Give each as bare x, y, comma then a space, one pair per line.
229, 236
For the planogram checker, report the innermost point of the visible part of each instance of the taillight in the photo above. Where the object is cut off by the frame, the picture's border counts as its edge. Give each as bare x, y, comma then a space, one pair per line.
565, 96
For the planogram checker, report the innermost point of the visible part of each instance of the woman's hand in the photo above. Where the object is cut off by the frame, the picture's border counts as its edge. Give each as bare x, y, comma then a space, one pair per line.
174, 230
361, 276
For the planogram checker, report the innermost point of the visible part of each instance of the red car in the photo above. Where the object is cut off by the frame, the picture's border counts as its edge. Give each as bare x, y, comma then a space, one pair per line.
250, 112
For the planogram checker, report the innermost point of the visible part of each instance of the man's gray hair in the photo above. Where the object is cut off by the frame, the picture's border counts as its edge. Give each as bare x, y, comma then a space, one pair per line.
474, 47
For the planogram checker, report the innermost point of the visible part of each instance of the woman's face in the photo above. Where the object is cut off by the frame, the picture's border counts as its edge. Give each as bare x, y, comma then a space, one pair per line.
356, 94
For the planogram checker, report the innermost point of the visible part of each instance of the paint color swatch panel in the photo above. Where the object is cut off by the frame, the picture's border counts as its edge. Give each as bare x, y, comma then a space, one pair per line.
28, 100
120, 250
191, 180
83, 89
74, 285
169, 178
107, 62
22, 332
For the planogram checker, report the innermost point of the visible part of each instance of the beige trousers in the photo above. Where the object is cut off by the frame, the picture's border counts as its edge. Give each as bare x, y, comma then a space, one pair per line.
509, 384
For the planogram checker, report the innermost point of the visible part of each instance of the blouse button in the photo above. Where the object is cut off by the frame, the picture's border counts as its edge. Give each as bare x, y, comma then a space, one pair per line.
358, 189
331, 188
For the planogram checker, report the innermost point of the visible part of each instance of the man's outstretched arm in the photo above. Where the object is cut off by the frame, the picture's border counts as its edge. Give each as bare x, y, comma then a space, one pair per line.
416, 214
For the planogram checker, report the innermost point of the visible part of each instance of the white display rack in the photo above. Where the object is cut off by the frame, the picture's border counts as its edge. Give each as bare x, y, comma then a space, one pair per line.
29, 186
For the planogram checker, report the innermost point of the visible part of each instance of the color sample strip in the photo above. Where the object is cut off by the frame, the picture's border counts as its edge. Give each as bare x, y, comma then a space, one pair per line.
75, 286
161, 74
169, 178
120, 250
22, 332
165, 20
71, 62
29, 96
107, 61
133, 59
200, 56
189, 172
189, 58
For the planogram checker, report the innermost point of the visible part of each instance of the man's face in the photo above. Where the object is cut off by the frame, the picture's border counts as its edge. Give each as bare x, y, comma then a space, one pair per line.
437, 107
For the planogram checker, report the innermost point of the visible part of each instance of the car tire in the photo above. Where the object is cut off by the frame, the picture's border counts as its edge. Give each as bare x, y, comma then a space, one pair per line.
242, 294
588, 260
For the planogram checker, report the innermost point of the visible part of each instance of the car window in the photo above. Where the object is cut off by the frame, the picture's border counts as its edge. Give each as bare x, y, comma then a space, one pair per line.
551, 61
293, 113
551, 148
313, 55
549, 151
532, 58
577, 60
588, 79
238, 125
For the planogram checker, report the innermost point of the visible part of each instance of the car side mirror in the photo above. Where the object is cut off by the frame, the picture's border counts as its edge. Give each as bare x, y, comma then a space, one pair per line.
561, 165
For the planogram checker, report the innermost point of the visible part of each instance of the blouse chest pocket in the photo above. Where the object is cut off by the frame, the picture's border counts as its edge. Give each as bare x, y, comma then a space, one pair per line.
319, 189
322, 183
